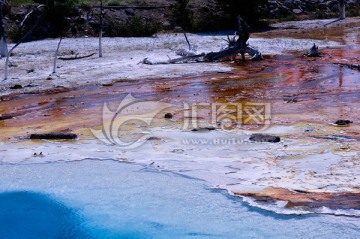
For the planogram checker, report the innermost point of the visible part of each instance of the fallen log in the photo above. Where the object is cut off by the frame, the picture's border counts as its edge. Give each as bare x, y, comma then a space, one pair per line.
235, 47
187, 59
54, 136
351, 66
5, 117
76, 57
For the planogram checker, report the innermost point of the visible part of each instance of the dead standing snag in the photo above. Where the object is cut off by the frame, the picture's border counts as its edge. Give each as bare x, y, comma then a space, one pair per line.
5, 6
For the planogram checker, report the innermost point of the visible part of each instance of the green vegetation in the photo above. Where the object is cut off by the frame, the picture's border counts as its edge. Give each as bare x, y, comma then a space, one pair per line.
21, 2
354, 11
248, 10
134, 27
182, 15
76, 17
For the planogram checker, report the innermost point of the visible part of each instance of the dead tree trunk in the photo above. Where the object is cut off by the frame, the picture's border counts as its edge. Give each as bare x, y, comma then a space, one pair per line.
19, 42
342, 9
4, 8
56, 55
101, 28
243, 32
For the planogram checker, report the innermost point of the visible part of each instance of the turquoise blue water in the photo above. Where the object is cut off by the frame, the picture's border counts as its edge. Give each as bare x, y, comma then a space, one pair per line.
107, 199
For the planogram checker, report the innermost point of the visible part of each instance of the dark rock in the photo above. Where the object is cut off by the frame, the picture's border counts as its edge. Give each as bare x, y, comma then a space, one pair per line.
178, 29
54, 136
168, 116
343, 122
15, 87
130, 11
264, 138
205, 129
289, 4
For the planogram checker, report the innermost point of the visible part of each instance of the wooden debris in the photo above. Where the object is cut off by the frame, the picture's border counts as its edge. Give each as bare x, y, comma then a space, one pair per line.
75, 57
205, 129
235, 47
351, 66
313, 52
54, 136
5, 117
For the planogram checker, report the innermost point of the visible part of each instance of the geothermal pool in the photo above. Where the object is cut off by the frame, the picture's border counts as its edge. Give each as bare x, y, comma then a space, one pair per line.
108, 199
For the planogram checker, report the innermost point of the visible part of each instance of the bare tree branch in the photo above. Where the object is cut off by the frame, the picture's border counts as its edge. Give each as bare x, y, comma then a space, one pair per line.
19, 42
56, 54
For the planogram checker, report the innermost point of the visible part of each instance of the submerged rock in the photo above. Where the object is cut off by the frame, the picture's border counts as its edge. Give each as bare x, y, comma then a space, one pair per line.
264, 138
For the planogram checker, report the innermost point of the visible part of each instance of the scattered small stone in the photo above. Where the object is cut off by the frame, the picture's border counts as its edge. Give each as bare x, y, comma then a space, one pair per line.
54, 136
30, 85
297, 11
38, 155
345, 148
264, 138
309, 130
168, 116
153, 138
178, 151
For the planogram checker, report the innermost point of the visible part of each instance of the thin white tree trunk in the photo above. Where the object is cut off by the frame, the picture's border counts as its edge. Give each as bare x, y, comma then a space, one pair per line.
342, 9
3, 44
56, 55
101, 30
